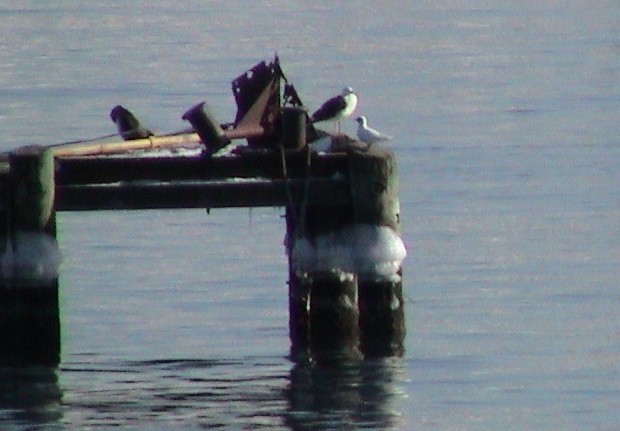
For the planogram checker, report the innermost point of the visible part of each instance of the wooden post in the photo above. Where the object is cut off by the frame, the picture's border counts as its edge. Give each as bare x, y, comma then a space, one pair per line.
374, 190
363, 311
298, 293
374, 187
293, 127
29, 325
334, 315
29, 315
32, 189
382, 318
323, 304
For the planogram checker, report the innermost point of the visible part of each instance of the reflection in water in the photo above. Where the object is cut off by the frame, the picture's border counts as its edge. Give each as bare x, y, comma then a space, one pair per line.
29, 396
340, 393
250, 393
189, 393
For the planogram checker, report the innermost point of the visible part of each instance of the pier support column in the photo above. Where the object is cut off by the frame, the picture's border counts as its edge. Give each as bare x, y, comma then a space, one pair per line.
298, 292
334, 314
32, 189
374, 190
321, 295
341, 301
29, 257
374, 187
382, 318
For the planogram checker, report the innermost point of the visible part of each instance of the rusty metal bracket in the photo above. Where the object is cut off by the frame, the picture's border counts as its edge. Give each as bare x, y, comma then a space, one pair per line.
257, 94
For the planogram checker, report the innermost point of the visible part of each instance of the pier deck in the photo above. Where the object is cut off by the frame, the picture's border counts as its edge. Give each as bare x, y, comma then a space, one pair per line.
350, 188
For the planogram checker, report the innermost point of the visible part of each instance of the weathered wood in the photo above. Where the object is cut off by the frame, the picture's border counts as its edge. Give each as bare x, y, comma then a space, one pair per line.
81, 149
250, 164
29, 325
32, 189
379, 319
180, 140
334, 314
200, 194
375, 201
298, 292
29, 315
382, 317
374, 187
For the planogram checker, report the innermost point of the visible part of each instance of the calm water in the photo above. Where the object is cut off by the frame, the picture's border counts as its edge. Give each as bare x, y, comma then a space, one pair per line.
506, 123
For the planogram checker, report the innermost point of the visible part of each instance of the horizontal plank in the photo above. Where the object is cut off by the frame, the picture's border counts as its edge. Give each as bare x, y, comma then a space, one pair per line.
205, 194
255, 164
102, 148
180, 140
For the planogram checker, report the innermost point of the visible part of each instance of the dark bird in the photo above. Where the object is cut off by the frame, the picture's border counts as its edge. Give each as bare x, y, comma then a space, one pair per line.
336, 108
128, 126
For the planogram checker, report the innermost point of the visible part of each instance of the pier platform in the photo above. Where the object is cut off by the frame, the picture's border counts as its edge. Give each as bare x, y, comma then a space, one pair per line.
349, 189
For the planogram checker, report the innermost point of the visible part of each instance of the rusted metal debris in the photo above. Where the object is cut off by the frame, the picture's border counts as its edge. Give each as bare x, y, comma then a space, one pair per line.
257, 94
259, 97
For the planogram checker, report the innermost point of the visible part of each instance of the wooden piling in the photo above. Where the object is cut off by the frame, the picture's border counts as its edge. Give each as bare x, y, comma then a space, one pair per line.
374, 191
382, 317
334, 314
298, 292
374, 187
29, 314
29, 325
357, 312
32, 190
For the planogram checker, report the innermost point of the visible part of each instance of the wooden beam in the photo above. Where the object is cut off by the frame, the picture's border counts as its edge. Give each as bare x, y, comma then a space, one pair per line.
182, 140
253, 164
102, 148
202, 194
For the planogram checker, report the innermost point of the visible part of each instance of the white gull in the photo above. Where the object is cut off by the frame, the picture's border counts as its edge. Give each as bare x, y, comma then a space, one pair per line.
368, 134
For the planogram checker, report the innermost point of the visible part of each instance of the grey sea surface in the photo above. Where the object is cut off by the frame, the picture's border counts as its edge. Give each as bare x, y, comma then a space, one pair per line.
505, 117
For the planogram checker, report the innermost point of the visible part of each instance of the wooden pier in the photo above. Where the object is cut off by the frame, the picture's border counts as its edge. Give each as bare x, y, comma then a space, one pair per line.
333, 311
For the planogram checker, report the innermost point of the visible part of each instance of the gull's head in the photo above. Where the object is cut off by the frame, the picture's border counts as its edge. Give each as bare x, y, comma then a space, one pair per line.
361, 120
347, 91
